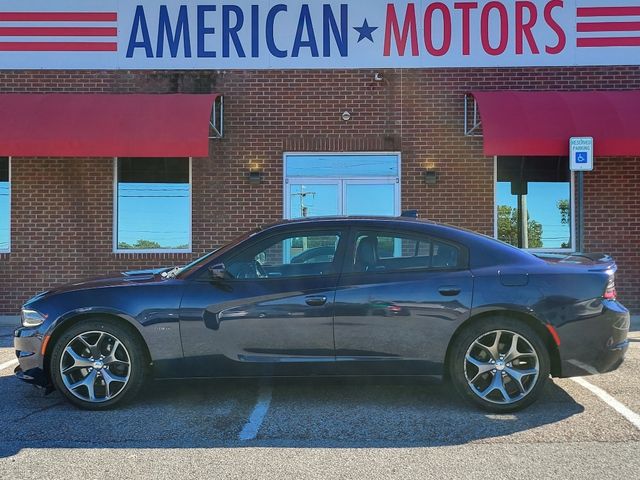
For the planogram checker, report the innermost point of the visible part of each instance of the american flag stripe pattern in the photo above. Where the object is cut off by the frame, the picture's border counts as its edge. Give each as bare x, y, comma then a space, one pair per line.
58, 31
613, 26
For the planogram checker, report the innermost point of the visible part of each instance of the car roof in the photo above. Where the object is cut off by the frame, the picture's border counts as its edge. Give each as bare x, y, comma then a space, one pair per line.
349, 219
394, 222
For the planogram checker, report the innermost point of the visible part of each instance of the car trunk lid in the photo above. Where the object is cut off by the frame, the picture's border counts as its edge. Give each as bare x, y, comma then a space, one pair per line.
592, 262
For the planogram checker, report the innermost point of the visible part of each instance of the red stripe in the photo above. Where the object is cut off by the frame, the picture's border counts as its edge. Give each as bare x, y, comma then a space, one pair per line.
58, 16
607, 11
608, 26
554, 334
58, 32
609, 42
58, 47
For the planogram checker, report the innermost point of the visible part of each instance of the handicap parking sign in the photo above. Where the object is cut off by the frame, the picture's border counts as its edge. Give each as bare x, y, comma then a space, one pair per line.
581, 153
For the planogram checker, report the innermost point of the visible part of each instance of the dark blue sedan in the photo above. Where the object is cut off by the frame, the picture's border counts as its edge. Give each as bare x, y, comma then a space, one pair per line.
334, 296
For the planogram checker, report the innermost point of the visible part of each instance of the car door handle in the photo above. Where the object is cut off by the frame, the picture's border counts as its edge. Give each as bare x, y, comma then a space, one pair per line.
449, 291
316, 301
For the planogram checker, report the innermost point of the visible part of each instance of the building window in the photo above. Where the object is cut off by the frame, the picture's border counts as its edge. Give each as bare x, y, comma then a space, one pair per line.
327, 184
153, 205
5, 205
534, 203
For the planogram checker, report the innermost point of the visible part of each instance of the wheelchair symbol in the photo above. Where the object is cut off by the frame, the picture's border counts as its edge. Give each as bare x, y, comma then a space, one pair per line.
581, 157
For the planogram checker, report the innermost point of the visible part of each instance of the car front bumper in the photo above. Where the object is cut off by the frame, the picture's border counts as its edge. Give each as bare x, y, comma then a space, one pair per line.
28, 346
595, 344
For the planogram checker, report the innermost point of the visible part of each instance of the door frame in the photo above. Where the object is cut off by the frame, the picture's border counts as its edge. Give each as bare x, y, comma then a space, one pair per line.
341, 181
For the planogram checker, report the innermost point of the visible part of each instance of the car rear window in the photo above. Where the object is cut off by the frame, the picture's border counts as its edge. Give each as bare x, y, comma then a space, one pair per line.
383, 251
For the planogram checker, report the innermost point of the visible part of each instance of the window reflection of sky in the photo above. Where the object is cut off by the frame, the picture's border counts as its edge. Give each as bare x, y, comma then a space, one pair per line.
157, 212
342, 166
316, 200
542, 205
319, 200
5, 223
363, 199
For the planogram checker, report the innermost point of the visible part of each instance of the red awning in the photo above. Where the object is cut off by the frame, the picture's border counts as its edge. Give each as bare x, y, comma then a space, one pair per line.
101, 125
541, 123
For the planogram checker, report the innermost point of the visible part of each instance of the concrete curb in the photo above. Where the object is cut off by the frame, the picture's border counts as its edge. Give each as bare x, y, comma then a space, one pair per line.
9, 320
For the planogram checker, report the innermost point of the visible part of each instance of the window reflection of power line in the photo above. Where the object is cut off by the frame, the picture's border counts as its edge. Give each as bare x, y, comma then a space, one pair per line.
304, 209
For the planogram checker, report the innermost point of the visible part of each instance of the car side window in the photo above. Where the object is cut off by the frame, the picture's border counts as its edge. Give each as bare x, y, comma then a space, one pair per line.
383, 252
289, 255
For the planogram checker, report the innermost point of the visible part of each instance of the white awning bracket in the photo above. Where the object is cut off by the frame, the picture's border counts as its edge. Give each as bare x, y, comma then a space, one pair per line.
217, 118
472, 122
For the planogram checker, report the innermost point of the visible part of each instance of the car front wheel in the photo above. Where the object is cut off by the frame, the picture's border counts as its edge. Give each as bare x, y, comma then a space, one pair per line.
97, 364
499, 364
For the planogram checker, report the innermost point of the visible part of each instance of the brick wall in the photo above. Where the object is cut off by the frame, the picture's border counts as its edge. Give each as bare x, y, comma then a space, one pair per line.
62, 209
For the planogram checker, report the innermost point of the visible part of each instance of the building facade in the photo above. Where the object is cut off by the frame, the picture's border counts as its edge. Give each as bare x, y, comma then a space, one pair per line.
316, 140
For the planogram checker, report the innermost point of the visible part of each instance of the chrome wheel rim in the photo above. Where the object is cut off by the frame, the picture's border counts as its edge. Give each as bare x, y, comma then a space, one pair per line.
95, 366
501, 367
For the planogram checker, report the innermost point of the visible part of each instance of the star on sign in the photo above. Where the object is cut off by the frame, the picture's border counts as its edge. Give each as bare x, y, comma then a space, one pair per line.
365, 31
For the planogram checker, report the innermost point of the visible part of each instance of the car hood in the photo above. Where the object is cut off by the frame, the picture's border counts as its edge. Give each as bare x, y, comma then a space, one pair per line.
113, 280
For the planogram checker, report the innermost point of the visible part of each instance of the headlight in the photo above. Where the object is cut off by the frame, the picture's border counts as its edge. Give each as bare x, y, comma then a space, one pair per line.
32, 318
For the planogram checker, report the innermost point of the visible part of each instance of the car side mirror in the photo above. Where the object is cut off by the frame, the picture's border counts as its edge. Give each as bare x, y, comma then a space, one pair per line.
219, 272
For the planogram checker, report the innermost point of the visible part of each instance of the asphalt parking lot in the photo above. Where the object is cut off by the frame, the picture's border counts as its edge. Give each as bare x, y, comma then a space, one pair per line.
370, 428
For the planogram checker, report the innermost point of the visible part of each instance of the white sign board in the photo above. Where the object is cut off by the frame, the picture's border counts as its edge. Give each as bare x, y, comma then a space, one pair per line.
581, 153
297, 34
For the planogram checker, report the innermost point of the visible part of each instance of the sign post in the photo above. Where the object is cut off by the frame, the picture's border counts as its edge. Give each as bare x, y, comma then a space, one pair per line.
580, 160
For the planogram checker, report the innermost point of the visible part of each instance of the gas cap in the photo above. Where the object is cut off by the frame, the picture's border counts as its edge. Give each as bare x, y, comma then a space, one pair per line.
513, 279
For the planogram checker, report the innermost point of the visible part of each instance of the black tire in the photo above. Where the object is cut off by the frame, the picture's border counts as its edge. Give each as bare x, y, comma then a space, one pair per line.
476, 330
137, 368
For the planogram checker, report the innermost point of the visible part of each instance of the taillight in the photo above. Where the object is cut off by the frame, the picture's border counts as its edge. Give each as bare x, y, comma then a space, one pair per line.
610, 292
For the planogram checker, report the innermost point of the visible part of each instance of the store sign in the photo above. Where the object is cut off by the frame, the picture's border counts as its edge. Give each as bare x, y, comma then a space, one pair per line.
581, 153
257, 34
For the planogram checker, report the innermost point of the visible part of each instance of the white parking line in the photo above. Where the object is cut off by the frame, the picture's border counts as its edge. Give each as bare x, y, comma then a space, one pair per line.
622, 409
250, 429
11, 363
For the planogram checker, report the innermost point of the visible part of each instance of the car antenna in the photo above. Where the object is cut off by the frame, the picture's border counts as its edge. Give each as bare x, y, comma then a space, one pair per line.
409, 213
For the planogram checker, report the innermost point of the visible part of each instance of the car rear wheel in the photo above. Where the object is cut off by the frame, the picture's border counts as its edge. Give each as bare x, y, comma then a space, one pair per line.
499, 364
97, 364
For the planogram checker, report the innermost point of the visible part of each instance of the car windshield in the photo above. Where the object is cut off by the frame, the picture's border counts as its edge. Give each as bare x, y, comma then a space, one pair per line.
200, 261
174, 272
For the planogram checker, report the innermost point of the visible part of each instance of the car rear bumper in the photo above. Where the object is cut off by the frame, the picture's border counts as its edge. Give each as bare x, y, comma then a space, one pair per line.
595, 344
28, 345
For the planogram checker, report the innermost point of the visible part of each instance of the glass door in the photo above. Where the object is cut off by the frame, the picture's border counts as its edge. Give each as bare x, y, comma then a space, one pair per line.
318, 185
